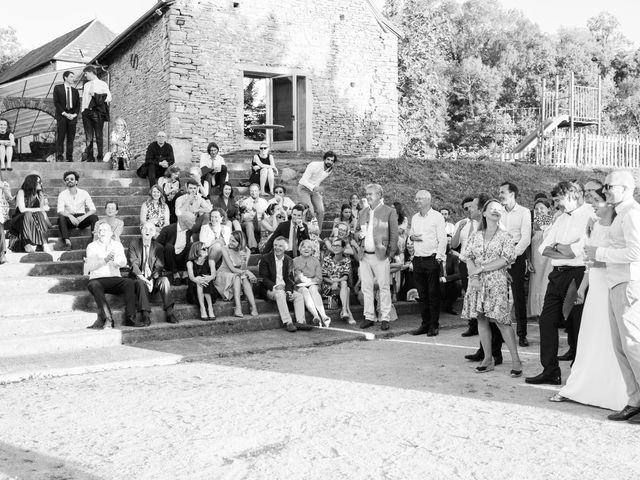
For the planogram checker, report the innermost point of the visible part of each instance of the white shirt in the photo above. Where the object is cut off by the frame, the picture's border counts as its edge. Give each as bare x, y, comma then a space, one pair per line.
79, 204
623, 253
314, 174
96, 252
181, 239
209, 235
569, 229
434, 237
284, 202
196, 205
214, 164
259, 205
92, 87
369, 243
517, 222
449, 228
279, 267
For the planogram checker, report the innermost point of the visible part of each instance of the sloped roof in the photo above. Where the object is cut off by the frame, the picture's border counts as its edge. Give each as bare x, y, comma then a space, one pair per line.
79, 46
386, 25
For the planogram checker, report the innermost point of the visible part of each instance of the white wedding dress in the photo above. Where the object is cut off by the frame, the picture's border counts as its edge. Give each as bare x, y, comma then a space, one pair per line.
595, 377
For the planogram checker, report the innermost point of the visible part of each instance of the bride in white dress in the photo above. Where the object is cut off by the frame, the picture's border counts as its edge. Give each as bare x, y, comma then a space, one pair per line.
595, 377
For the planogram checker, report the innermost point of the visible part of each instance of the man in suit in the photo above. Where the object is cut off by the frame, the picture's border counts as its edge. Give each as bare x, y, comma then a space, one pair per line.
95, 111
66, 100
378, 231
176, 241
294, 230
146, 259
158, 158
276, 270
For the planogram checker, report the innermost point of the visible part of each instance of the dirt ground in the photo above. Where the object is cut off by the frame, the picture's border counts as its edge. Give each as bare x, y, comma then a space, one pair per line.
402, 408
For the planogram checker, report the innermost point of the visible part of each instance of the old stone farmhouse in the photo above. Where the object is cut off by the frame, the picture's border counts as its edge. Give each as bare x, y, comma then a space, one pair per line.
203, 70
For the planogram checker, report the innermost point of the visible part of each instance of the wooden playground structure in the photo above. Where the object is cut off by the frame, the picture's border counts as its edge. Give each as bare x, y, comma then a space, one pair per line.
569, 131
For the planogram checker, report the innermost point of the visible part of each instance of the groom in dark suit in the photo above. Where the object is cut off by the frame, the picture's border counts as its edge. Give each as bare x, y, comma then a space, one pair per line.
176, 241
66, 100
146, 259
294, 230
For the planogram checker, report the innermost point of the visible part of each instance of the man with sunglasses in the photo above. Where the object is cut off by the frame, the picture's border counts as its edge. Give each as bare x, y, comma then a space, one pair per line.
75, 208
622, 257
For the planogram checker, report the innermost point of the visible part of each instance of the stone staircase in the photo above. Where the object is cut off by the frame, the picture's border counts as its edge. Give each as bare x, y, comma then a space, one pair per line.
45, 306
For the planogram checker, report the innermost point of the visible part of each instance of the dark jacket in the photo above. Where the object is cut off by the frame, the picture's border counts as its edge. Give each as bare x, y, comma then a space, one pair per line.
156, 154
231, 209
169, 234
267, 270
135, 257
99, 104
60, 101
283, 230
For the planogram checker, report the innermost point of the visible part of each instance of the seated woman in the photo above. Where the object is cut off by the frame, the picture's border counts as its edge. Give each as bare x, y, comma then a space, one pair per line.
228, 204
346, 217
216, 234
336, 270
213, 167
272, 218
263, 170
200, 287
341, 231
29, 224
408, 290
116, 224
234, 276
155, 210
170, 186
5, 205
307, 274
7, 142
119, 145
283, 202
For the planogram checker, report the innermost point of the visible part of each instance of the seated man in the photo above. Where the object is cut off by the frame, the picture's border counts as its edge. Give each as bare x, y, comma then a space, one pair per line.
105, 257
75, 208
254, 208
158, 158
283, 202
146, 259
176, 241
117, 225
5, 199
276, 270
294, 230
193, 203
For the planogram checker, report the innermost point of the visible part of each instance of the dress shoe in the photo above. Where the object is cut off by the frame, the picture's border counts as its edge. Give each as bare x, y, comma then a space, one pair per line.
146, 318
176, 282
98, 324
475, 357
132, 321
420, 331
432, 332
385, 325
545, 378
171, 317
523, 342
568, 356
635, 419
470, 332
625, 414
367, 324
302, 326
290, 327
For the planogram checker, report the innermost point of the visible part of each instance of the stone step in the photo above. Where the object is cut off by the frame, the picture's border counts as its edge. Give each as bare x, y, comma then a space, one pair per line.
58, 342
129, 214
54, 232
76, 362
44, 323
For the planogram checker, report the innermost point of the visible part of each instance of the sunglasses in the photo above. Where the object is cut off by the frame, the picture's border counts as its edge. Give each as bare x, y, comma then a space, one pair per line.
609, 186
203, 249
264, 148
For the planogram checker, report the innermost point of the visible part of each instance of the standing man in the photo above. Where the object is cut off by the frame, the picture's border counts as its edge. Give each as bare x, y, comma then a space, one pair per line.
146, 259
449, 226
564, 244
75, 208
309, 190
95, 111
295, 230
517, 221
430, 245
66, 99
158, 158
378, 229
623, 277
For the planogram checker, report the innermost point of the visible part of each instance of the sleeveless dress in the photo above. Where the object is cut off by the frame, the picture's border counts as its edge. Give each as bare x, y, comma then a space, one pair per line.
192, 287
255, 174
596, 378
224, 277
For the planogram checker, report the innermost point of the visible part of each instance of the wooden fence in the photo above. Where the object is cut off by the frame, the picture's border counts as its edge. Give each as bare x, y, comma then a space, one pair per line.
590, 150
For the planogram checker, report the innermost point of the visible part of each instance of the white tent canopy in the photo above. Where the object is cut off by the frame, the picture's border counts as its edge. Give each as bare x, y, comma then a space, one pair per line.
26, 121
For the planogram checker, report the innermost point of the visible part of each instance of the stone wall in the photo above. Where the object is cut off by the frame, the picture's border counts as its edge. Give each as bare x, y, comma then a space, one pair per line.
349, 62
139, 82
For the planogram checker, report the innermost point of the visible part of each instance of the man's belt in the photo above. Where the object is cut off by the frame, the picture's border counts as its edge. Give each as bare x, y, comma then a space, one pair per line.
565, 268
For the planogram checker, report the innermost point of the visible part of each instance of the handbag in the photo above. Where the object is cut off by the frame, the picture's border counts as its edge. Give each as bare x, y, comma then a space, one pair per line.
107, 157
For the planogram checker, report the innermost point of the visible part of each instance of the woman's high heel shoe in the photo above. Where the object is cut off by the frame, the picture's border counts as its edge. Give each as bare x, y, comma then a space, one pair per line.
237, 312
485, 368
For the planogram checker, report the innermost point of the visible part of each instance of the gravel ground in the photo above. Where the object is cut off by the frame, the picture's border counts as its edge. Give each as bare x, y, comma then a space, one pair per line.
402, 408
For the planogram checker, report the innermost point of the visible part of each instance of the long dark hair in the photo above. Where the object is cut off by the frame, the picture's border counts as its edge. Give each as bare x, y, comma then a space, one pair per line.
400, 211
8, 124
30, 190
222, 190
342, 209
483, 221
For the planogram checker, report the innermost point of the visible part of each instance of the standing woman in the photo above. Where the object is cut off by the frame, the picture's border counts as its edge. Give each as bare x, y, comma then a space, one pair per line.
234, 276
200, 288
7, 142
488, 298
213, 167
307, 274
155, 210
170, 186
119, 146
263, 170
539, 266
354, 201
30, 223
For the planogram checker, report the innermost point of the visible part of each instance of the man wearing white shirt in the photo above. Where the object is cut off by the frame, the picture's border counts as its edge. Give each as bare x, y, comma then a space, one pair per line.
309, 191
449, 227
564, 244
254, 207
622, 257
95, 111
463, 231
176, 241
75, 208
517, 221
195, 204
104, 259
213, 168
430, 245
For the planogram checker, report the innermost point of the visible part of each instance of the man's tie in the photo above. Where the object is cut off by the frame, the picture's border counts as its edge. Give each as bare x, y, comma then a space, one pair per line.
69, 106
147, 268
295, 241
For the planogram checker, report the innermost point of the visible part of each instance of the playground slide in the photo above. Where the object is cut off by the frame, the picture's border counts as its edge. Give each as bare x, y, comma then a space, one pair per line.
531, 140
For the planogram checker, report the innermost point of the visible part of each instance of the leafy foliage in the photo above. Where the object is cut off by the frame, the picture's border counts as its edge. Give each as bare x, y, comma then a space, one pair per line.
10, 48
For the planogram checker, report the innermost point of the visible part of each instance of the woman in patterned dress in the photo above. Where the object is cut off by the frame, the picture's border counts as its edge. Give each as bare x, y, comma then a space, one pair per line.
155, 209
336, 270
119, 145
488, 254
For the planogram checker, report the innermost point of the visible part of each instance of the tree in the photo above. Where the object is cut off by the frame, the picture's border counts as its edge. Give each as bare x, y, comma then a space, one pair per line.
10, 48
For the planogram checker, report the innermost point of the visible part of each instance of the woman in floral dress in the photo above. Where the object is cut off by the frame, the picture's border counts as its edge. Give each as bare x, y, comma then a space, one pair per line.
119, 146
336, 270
155, 209
488, 254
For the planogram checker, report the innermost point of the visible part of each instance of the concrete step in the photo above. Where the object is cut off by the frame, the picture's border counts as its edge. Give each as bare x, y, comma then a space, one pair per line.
130, 215
58, 342
41, 365
44, 323
85, 232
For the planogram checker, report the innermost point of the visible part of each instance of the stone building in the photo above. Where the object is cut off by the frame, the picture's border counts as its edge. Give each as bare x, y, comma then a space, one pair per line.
202, 70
